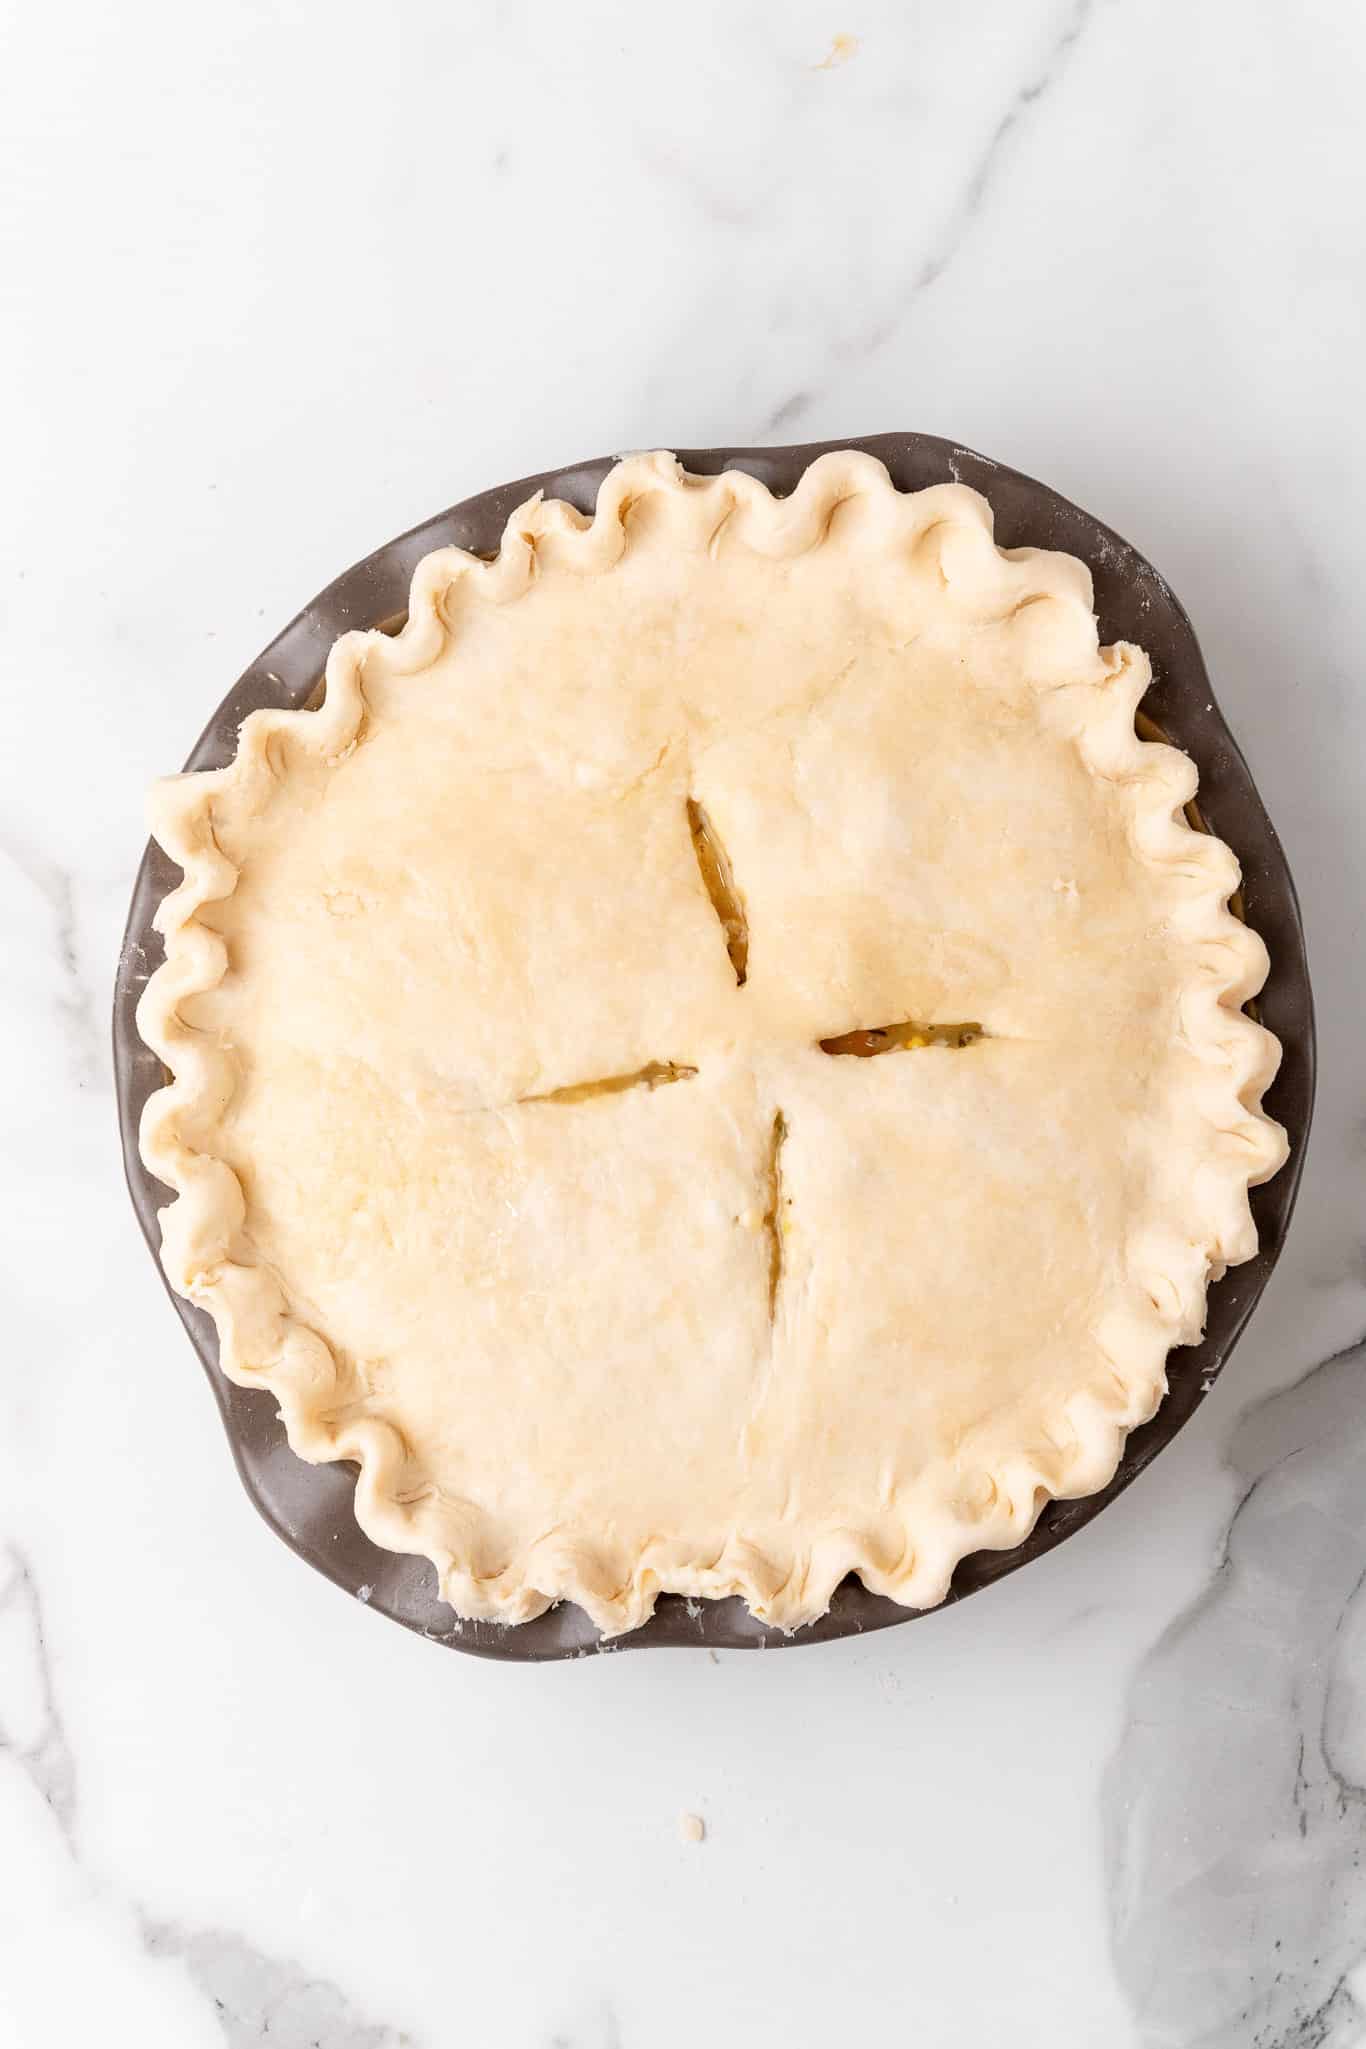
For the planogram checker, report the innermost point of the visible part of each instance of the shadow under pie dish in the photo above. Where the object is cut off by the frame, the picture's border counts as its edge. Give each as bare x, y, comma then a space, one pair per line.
513, 999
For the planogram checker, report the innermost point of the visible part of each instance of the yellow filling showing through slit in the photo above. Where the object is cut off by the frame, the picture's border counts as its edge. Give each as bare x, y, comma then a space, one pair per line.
773, 1214
655, 1074
905, 1037
720, 887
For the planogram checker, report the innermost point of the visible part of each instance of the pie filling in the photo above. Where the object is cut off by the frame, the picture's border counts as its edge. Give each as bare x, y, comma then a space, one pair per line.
774, 1219
655, 1074
898, 1038
719, 884
446, 944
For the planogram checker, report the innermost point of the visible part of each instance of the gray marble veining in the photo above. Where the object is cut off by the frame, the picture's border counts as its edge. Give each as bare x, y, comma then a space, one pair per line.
1235, 1804
973, 197
76, 1004
31, 1732
263, 2003
260, 2001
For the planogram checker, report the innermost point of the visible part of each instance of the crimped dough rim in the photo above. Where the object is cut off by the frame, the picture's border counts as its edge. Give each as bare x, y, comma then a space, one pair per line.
264, 1344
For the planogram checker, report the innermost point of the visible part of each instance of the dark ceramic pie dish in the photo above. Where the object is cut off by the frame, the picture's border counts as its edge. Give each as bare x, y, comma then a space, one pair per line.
310, 1507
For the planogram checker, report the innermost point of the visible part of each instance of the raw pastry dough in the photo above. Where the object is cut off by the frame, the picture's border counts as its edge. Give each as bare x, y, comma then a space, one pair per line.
662, 800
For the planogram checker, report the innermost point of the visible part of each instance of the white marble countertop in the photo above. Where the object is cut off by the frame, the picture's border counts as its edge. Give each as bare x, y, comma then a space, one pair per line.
278, 283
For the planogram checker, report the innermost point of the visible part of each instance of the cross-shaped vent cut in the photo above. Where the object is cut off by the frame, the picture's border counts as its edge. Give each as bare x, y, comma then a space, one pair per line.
909, 1034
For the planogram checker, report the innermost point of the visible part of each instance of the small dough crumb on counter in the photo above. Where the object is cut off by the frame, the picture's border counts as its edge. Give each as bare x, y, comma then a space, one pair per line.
691, 1828
842, 48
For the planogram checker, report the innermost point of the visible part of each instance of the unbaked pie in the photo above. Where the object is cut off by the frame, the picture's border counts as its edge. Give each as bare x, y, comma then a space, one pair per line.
713, 1060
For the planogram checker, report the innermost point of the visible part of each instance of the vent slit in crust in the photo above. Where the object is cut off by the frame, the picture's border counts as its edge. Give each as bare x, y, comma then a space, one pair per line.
773, 1214
719, 883
903, 1037
654, 1075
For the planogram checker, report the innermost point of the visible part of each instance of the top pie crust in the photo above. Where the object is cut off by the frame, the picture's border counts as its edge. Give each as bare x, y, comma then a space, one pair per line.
789, 1315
